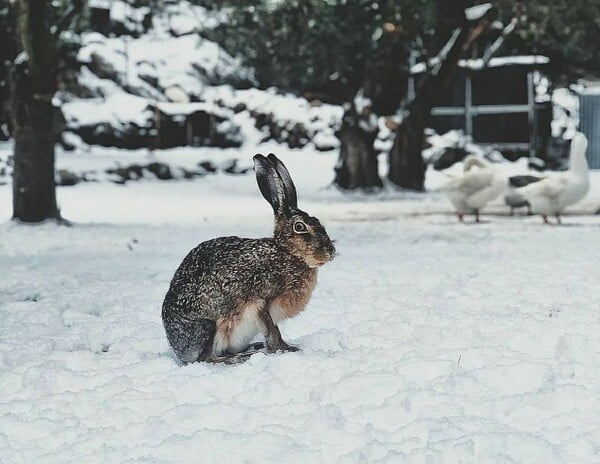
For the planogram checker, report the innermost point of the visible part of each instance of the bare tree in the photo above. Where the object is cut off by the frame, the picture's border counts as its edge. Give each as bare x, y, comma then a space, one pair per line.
379, 94
34, 83
357, 164
406, 165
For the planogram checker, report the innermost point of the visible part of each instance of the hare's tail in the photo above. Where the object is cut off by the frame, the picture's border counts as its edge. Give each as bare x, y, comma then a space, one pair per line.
191, 339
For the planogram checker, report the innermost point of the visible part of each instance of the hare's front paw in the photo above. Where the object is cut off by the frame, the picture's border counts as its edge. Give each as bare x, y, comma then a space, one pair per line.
283, 346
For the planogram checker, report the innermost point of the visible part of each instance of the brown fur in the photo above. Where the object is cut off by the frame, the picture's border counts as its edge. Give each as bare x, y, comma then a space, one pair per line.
245, 316
307, 246
294, 300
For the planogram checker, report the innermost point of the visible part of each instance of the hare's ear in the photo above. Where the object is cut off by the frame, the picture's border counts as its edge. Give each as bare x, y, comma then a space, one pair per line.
269, 183
291, 199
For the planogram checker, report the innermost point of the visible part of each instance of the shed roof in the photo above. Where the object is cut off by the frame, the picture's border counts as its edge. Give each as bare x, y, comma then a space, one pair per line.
477, 64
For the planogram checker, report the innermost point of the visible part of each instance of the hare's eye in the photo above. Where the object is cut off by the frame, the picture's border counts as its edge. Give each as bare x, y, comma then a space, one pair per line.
299, 227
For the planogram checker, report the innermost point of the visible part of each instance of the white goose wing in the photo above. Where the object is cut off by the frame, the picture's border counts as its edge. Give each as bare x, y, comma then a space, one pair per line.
494, 187
550, 187
470, 182
543, 195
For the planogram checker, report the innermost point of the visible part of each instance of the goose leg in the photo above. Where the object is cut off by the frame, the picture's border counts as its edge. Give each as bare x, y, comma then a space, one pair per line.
546, 221
558, 221
477, 216
460, 217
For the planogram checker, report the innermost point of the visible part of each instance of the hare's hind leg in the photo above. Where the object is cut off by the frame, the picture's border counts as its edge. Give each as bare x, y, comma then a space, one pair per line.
191, 340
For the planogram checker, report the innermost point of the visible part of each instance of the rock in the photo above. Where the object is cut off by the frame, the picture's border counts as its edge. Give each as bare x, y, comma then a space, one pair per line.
231, 167
512, 155
295, 135
103, 68
537, 164
162, 171
147, 72
448, 157
66, 178
226, 134
324, 143
123, 174
70, 141
135, 172
239, 107
119, 175
208, 167
129, 136
192, 174
177, 94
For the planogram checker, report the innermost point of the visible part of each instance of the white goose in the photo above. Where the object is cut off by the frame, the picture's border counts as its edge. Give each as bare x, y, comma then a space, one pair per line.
551, 195
513, 198
475, 188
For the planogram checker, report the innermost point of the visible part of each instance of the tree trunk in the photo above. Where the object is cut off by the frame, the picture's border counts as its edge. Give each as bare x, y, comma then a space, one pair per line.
406, 165
357, 165
33, 83
380, 94
34, 192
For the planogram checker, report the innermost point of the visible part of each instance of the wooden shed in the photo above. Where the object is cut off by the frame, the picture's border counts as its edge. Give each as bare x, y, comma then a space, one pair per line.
504, 103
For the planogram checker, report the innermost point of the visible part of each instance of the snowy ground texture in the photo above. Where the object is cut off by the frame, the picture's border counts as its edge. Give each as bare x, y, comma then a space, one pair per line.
425, 341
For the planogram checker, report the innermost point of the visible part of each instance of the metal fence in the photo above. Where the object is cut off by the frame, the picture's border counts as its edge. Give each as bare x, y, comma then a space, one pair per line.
589, 124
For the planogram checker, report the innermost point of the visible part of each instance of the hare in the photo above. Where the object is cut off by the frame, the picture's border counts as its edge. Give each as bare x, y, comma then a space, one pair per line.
230, 289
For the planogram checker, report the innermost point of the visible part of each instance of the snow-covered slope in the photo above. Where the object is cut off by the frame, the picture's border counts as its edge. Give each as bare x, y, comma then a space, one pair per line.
125, 84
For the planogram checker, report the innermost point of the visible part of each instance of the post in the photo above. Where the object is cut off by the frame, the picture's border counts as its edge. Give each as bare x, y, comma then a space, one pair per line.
531, 114
468, 106
126, 47
411, 79
189, 132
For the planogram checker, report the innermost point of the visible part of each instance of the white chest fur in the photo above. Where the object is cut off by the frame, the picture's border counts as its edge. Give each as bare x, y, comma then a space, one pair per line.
235, 333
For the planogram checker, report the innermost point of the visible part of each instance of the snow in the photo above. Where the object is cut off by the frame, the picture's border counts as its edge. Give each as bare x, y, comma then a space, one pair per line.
589, 88
477, 64
565, 109
119, 11
116, 110
103, 4
477, 12
158, 67
182, 24
175, 59
189, 108
283, 106
425, 340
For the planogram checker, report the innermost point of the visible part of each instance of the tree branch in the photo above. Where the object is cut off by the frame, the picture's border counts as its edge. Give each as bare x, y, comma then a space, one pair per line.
67, 18
491, 51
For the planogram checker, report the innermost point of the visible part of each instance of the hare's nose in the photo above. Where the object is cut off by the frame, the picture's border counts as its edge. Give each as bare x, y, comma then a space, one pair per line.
331, 250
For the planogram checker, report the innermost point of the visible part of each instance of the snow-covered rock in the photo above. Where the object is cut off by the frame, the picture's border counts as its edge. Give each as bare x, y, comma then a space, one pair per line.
123, 78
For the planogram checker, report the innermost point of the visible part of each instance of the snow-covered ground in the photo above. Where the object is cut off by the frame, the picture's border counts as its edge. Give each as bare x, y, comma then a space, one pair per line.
425, 341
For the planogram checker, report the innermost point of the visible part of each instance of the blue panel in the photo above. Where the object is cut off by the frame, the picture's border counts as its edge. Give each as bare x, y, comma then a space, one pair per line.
589, 124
